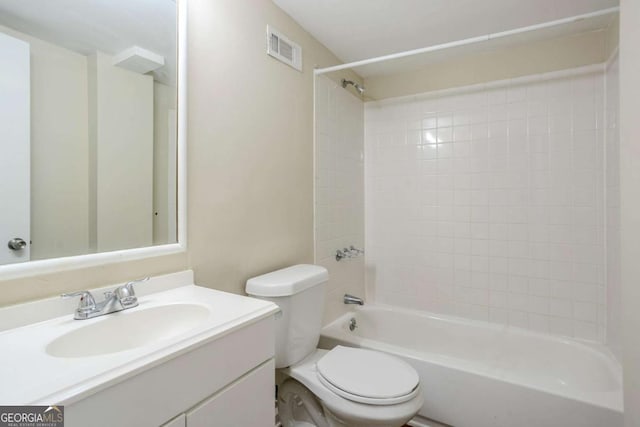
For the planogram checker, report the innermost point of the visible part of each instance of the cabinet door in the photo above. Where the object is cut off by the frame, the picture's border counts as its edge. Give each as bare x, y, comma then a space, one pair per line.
247, 402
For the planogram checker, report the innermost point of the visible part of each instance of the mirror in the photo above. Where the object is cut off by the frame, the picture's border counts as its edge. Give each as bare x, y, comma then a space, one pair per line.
88, 127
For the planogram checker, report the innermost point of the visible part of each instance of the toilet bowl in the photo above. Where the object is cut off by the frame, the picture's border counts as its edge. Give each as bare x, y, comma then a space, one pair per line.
329, 388
353, 387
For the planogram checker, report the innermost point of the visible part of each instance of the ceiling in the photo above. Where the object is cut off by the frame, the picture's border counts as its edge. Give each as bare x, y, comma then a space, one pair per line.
361, 29
110, 26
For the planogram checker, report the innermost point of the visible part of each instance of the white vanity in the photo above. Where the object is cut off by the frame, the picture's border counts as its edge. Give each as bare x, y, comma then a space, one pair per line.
186, 355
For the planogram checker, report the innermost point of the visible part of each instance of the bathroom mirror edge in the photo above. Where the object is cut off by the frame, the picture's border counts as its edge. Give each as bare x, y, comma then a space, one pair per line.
54, 265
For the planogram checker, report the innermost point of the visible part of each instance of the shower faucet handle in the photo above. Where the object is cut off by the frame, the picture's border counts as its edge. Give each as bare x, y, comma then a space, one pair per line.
350, 252
356, 250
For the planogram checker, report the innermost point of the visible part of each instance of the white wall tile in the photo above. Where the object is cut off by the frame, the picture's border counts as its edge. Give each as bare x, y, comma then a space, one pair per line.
339, 182
612, 202
502, 197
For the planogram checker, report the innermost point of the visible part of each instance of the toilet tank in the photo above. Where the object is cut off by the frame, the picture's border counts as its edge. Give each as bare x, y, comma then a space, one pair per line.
299, 292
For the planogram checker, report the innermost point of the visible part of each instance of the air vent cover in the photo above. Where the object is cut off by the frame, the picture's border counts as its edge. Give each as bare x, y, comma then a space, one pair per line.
280, 47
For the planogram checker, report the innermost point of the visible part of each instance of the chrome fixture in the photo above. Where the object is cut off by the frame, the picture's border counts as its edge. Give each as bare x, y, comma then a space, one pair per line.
355, 85
122, 298
350, 299
17, 244
350, 252
352, 324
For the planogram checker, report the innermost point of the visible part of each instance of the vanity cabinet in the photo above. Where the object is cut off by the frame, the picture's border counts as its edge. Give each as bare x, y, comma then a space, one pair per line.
227, 381
239, 403
236, 404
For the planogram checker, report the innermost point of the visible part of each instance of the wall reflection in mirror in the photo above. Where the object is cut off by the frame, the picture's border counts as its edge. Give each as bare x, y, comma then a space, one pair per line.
87, 126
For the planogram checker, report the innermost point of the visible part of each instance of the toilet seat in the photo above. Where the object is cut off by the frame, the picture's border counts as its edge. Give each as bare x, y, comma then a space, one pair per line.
367, 376
362, 414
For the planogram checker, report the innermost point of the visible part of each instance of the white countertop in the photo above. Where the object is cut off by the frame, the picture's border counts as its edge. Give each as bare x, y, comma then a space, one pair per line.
31, 376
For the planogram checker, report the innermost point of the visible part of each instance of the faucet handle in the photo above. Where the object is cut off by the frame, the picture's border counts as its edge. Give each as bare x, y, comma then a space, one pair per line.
86, 304
127, 295
129, 285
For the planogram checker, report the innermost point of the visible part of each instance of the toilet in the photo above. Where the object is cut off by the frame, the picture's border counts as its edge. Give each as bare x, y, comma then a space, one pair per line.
328, 388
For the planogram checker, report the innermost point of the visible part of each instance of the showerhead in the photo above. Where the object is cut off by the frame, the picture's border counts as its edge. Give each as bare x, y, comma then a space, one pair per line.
355, 85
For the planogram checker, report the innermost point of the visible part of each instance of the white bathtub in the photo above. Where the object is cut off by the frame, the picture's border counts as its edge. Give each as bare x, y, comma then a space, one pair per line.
477, 374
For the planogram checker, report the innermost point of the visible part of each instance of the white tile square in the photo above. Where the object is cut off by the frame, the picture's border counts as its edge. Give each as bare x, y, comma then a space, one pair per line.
518, 284
516, 93
444, 119
539, 323
560, 308
517, 110
498, 299
462, 133
561, 326
586, 331
517, 301
519, 319
585, 311
499, 129
539, 305
498, 315
539, 287
498, 282
497, 96
499, 266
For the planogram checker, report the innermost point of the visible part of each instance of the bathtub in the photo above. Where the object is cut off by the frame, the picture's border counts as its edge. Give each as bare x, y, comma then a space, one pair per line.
477, 374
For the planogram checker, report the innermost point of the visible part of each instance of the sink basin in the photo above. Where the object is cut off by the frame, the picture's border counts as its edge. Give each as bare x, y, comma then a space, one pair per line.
126, 330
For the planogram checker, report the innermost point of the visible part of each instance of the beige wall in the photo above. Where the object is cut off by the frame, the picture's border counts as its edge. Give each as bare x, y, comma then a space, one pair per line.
532, 58
250, 157
630, 204
58, 149
612, 37
250, 143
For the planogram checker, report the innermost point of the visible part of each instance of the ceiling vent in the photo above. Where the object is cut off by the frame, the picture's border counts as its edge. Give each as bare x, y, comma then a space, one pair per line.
283, 49
138, 60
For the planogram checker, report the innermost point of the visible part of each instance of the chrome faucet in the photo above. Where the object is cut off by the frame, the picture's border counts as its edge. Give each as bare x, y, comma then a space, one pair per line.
122, 298
350, 299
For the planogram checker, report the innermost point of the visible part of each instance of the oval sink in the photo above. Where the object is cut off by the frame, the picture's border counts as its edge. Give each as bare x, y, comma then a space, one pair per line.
126, 330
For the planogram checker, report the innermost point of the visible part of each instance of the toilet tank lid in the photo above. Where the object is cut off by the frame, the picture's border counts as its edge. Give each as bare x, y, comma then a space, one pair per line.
288, 281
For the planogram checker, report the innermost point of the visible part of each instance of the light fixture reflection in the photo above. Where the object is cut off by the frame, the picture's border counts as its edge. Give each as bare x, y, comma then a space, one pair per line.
430, 139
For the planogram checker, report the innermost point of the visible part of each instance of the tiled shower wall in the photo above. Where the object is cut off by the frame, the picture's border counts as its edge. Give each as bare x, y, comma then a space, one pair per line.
339, 187
612, 142
488, 202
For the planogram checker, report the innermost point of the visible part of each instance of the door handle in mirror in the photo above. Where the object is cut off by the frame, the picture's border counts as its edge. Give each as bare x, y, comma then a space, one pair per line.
17, 244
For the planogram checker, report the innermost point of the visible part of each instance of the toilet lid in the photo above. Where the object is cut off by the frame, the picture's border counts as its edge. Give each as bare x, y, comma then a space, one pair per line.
367, 376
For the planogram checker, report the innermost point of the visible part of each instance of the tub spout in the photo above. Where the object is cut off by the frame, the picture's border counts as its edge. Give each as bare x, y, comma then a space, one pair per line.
350, 299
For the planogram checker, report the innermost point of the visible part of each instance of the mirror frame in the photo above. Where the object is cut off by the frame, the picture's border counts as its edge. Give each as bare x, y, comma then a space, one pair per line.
53, 265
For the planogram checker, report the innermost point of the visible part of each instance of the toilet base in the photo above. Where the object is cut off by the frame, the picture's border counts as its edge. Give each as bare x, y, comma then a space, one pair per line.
299, 407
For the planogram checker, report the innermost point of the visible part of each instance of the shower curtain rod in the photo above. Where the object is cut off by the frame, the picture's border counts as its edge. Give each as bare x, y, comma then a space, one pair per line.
471, 40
